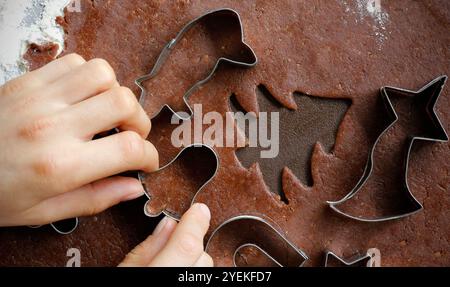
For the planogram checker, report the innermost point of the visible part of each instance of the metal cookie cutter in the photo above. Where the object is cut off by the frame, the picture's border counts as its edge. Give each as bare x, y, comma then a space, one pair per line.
172, 44
165, 211
249, 229
371, 259
63, 227
155, 70
435, 88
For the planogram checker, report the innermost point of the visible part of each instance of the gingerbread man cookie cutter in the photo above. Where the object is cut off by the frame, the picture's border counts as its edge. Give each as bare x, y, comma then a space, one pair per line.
440, 135
165, 211
165, 53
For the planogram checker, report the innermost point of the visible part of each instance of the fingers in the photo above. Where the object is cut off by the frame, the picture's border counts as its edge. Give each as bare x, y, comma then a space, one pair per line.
185, 247
88, 200
65, 174
204, 261
59, 67
142, 255
88, 80
71, 80
118, 107
43, 76
125, 151
114, 154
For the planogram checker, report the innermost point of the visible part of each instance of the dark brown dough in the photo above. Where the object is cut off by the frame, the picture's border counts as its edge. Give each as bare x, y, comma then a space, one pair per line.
323, 50
39, 55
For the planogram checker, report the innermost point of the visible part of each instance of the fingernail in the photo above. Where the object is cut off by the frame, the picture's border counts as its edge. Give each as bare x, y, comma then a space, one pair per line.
161, 225
204, 209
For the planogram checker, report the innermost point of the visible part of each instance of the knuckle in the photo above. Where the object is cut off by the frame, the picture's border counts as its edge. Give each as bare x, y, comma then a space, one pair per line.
124, 100
13, 87
36, 129
190, 245
102, 72
131, 147
74, 59
48, 165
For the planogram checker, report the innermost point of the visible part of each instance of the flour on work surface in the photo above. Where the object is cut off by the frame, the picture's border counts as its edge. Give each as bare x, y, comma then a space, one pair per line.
23, 22
370, 10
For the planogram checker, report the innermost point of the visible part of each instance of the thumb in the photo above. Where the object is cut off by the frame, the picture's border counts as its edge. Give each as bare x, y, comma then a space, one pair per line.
143, 254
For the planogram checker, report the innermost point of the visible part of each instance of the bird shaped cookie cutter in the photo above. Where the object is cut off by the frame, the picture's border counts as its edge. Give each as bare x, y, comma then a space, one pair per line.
165, 53
435, 87
256, 240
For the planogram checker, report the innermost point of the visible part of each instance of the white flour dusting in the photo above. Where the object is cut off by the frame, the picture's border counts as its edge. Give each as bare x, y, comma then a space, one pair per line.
23, 22
370, 10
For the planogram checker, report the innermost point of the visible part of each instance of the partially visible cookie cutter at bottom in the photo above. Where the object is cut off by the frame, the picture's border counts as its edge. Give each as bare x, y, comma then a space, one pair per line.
300, 255
372, 258
59, 228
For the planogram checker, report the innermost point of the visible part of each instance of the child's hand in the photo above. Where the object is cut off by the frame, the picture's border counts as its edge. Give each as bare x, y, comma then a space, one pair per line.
173, 245
50, 168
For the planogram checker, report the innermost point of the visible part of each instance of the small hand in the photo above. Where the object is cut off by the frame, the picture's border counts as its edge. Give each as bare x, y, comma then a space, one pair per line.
50, 166
175, 245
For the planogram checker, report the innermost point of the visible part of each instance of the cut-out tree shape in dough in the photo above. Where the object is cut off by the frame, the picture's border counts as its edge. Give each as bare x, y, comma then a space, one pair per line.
316, 120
